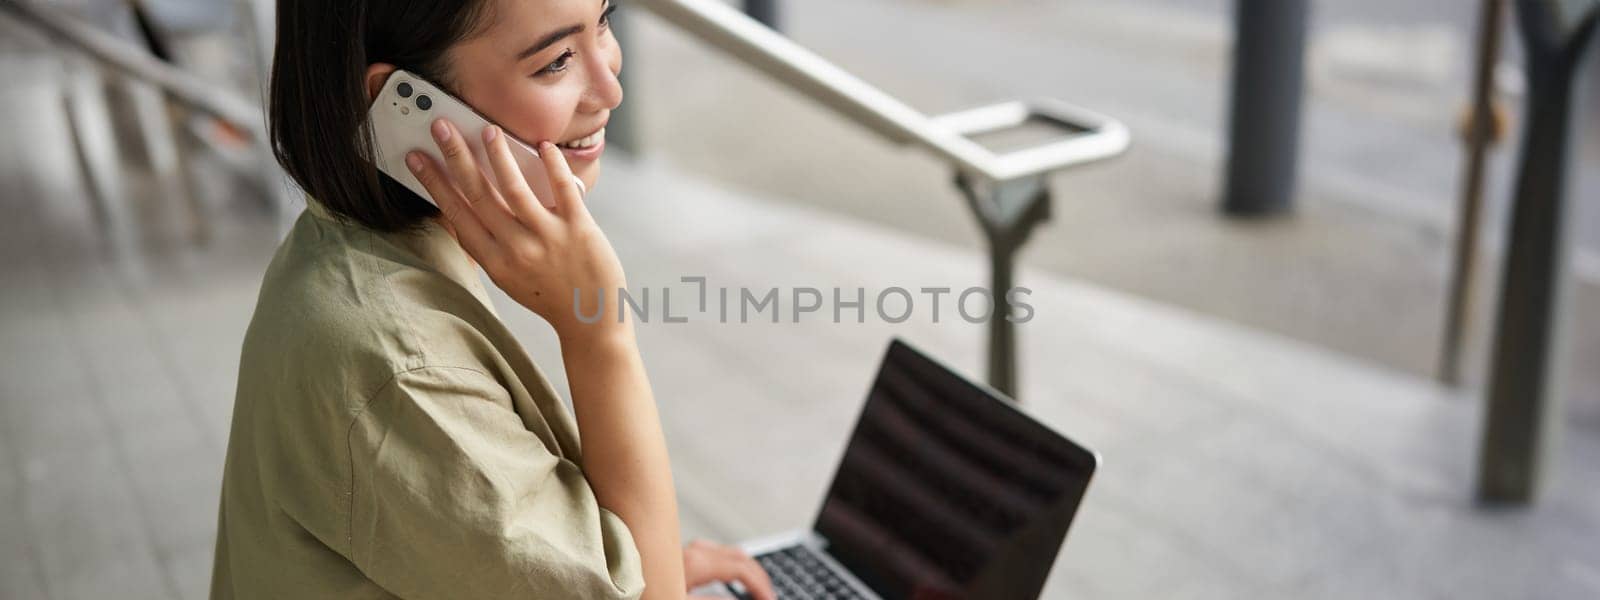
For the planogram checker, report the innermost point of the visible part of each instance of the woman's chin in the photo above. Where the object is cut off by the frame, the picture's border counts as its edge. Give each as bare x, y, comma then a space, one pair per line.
589, 174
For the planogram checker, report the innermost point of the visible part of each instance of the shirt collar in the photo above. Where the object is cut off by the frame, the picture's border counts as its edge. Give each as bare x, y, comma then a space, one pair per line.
431, 243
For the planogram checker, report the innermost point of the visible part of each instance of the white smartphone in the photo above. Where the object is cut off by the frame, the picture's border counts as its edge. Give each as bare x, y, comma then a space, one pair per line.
401, 116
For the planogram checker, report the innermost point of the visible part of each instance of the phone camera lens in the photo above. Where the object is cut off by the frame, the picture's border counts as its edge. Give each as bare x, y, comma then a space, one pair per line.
404, 90
424, 102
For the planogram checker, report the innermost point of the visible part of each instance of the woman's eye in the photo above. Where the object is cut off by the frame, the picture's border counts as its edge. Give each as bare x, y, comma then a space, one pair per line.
560, 63
605, 16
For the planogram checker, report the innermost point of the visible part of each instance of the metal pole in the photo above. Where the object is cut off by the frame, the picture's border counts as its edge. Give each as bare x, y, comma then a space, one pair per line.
765, 11
1479, 134
1264, 122
1524, 399
1002, 333
1008, 213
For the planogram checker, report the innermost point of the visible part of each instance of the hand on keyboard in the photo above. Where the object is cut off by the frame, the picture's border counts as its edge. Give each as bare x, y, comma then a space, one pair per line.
797, 574
708, 562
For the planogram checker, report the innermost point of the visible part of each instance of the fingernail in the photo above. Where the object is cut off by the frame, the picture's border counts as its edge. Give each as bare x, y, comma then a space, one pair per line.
441, 131
490, 132
546, 145
414, 161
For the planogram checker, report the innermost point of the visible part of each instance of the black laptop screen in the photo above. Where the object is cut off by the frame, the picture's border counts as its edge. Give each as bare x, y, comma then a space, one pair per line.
946, 491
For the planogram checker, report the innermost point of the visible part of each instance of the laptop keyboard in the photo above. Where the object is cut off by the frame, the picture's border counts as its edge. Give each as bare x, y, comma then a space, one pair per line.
797, 574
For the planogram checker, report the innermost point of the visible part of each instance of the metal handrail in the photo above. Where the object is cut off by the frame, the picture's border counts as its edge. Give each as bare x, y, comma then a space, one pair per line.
803, 70
185, 88
1009, 194
734, 33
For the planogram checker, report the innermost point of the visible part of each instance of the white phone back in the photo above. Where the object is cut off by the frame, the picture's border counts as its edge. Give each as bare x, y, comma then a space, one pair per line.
399, 127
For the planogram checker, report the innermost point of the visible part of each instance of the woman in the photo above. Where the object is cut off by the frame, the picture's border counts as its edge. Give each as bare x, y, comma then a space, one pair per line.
389, 437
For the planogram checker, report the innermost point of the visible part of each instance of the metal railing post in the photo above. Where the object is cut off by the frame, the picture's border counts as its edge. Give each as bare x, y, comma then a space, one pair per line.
1524, 396
1008, 214
1479, 134
1007, 192
1264, 122
94, 144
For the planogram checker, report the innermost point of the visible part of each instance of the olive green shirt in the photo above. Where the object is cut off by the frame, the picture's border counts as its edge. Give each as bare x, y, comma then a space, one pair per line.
390, 438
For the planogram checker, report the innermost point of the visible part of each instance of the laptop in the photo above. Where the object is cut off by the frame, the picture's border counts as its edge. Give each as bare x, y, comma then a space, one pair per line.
946, 490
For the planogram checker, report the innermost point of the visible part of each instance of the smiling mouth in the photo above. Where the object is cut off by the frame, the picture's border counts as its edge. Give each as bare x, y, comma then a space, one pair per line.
588, 141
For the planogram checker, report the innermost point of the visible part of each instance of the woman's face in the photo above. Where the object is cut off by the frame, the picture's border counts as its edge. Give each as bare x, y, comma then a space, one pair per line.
545, 70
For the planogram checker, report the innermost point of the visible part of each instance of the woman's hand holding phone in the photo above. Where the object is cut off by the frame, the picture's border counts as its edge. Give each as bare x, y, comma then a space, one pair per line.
540, 255
537, 255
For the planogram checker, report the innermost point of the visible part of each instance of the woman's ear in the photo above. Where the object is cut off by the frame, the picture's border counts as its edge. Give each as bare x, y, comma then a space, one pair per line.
377, 74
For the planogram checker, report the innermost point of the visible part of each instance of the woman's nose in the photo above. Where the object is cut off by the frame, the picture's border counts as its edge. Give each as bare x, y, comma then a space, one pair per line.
605, 90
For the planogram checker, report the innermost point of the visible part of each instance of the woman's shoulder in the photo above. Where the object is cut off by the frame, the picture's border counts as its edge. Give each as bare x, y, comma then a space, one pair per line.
338, 297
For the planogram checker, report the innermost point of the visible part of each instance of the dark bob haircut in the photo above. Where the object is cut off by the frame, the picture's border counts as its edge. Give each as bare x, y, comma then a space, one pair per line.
317, 111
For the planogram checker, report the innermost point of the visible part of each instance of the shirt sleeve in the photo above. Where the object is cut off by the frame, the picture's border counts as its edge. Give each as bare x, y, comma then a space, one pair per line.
453, 497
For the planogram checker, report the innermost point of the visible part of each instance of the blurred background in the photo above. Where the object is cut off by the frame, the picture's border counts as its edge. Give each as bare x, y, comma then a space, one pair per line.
1301, 379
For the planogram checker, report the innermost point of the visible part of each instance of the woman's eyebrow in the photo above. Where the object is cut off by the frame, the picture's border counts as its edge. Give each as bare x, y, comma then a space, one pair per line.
549, 40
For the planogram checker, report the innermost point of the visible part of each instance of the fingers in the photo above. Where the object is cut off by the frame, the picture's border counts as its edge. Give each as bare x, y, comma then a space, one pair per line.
569, 196
475, 239
755, 579
475, 187
724, 563
458, 160
513, 184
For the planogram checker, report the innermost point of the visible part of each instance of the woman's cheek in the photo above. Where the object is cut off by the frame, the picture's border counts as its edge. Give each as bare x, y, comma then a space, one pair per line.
535, 124
556, 112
